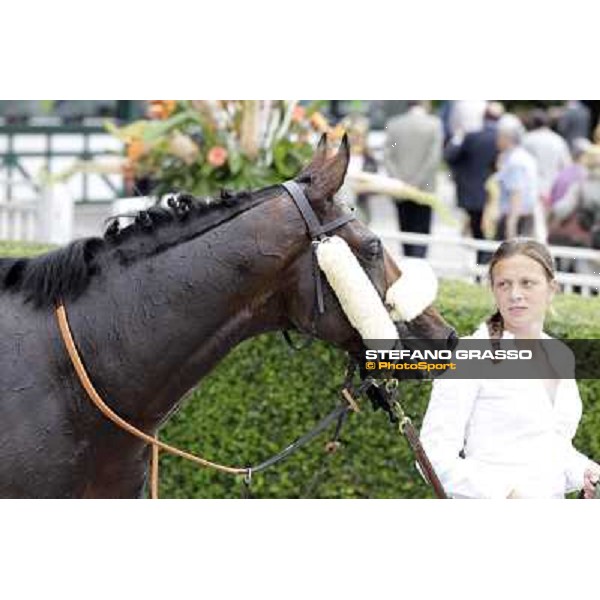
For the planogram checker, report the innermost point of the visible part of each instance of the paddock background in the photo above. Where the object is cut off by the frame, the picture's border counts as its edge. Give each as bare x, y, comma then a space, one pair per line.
262, 396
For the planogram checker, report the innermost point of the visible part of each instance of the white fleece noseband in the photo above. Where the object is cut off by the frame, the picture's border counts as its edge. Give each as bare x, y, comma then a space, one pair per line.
413, 292
407, 298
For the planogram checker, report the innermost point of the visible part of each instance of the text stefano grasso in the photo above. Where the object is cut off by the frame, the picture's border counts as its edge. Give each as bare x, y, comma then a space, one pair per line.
498, 354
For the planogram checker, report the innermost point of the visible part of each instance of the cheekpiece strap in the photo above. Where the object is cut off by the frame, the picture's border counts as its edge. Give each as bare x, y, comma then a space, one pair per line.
315, 229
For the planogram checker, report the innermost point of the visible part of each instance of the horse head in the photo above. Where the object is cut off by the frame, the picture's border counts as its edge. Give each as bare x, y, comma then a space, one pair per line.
414, 317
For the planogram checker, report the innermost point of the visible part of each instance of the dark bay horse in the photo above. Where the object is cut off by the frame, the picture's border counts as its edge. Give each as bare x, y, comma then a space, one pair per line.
153, 308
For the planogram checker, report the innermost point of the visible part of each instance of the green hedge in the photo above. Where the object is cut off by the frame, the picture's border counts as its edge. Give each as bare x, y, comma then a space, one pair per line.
16, 249
263, 396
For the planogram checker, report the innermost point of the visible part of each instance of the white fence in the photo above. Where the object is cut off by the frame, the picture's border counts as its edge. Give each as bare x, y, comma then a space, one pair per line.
452, 257
47, 219
455, 257
19, 222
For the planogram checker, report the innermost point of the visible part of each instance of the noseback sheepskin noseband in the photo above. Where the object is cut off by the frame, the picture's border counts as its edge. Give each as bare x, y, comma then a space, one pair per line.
413, 292
407, 298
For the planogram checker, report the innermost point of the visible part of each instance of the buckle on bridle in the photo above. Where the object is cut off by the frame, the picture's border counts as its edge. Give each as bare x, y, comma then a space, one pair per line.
248, 477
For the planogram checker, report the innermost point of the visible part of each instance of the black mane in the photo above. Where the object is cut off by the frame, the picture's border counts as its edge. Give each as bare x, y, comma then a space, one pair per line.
65, 273
44, 280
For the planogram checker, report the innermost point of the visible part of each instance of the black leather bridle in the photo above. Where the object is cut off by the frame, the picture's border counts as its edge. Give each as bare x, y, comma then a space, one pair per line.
316, 231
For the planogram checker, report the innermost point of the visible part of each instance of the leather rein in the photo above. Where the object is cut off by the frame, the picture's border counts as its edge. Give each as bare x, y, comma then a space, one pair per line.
316, 232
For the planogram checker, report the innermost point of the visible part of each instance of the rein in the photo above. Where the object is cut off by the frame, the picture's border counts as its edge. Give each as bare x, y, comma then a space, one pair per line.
317, 233
339, 413
408, 430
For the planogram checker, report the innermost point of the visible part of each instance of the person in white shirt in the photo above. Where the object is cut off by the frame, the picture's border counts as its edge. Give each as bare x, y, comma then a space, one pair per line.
550, 151
495, 438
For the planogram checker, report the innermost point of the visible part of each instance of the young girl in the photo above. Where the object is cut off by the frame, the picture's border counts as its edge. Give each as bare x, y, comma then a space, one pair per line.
510, 438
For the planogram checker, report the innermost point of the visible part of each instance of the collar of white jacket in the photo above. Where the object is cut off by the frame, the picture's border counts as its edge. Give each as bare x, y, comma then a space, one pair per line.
482, 333
407, 298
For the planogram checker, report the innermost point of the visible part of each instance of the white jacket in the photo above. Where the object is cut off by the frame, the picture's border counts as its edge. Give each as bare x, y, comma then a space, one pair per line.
511, 434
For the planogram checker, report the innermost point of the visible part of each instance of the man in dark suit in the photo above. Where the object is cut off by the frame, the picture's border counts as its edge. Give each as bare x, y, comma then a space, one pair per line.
575, 121
472, 159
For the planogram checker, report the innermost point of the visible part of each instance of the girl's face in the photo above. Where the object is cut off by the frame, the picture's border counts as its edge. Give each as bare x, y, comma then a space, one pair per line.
522, 292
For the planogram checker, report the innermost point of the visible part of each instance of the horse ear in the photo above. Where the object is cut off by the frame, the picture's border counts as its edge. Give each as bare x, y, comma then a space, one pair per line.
318, 160
328, 179
321, 151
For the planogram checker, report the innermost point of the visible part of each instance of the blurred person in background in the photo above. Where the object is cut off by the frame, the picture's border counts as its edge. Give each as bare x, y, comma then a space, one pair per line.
412, 153
575, 216
571, 174
445, 112
472, 159
596, 134
466, 116
550, 151
517, 181
574, 121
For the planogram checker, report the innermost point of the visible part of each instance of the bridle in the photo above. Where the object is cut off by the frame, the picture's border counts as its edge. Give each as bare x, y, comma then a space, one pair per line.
317, 233
388, 393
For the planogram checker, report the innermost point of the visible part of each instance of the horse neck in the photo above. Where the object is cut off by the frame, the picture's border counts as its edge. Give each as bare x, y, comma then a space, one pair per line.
169, 319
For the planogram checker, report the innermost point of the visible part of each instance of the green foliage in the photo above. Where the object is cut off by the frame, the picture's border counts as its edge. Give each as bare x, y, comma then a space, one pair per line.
17, 249
202, 146
262, 397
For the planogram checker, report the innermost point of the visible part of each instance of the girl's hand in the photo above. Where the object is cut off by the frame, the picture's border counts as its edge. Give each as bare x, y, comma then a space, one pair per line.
591, 477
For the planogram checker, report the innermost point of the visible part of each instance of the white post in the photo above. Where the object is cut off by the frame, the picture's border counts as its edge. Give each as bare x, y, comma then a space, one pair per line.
55, 215
3, 221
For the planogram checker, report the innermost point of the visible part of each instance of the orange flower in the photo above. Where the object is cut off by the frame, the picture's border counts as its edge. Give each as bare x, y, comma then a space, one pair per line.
155, 109
217, 156
298, 114
169, 107
161, 109
135, 149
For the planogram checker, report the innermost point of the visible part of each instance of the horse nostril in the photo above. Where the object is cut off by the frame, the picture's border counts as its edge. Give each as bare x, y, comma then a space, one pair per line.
452, 341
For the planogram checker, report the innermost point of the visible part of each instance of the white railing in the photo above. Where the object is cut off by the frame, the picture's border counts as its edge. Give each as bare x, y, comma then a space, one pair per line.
454, 257
18, 220
47, 218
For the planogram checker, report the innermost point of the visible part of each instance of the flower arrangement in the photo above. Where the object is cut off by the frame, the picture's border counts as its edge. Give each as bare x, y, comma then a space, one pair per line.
202, 146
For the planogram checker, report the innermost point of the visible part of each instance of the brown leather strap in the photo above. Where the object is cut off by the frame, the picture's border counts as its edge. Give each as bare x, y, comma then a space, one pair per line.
67, 337
154, 472
315, 228
411, 434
